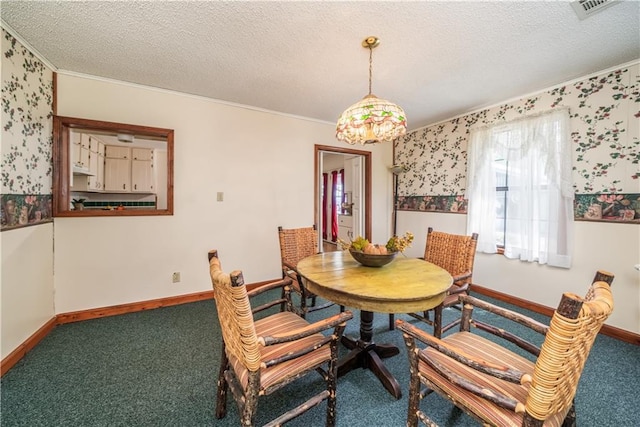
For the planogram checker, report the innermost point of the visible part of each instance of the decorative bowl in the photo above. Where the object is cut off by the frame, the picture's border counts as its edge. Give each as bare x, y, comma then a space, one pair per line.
371, 260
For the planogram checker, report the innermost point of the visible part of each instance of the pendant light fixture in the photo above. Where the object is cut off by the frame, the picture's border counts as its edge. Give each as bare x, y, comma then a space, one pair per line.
372, 119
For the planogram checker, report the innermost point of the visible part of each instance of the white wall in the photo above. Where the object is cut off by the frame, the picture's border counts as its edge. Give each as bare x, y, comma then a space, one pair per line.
597, 246
26, 294
264, 164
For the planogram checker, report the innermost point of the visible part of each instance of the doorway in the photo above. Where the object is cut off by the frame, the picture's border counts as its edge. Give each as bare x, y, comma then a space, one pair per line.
354, 204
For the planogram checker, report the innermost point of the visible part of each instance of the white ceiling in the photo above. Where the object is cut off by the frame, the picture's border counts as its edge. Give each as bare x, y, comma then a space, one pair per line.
437, 59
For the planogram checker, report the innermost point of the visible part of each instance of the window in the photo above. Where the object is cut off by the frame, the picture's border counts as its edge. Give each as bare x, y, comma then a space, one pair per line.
519, 189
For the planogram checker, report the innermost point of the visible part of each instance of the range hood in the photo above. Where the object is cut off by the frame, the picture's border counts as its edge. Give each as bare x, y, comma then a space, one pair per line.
77, 170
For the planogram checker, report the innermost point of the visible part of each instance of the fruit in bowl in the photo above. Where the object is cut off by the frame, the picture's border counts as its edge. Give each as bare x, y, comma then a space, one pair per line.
372, 249
372, 260
375, 255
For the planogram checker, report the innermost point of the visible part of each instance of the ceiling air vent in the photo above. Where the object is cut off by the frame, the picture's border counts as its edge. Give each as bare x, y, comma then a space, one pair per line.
586, 8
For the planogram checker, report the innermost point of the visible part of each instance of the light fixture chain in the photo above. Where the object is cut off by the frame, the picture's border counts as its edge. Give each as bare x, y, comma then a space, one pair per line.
370, 67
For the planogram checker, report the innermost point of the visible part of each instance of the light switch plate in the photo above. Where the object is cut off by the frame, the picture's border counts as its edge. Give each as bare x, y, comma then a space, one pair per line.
220, 196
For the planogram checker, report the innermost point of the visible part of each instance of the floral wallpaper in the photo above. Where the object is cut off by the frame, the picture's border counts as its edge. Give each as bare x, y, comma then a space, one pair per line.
26, 146
605, 122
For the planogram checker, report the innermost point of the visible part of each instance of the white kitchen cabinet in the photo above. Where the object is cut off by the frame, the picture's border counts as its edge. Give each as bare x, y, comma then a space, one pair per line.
117, 169
142, 176
95, 181
117, 152
345, 228
88, 165
117, 175
129, 169
80, 151
142, 154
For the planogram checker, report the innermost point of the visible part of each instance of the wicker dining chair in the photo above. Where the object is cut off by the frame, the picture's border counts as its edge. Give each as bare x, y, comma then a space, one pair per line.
497, 386
296, 244
259, 356
456, 254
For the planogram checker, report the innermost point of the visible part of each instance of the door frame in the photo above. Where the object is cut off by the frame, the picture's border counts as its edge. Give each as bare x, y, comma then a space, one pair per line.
318, 150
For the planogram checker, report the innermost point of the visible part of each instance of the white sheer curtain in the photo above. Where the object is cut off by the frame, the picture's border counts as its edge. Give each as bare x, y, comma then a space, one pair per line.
536, 152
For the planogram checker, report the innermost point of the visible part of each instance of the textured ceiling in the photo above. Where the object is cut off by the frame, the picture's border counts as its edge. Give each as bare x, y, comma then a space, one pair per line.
437, 59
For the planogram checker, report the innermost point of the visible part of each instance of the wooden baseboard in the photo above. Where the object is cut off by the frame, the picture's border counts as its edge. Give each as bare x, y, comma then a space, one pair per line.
17, 354
610, 331
94, 313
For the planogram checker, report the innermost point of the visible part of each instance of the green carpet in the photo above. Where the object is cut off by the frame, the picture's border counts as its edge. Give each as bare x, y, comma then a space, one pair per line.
159, 368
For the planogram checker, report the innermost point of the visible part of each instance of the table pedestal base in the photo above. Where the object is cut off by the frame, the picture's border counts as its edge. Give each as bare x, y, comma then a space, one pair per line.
368, 355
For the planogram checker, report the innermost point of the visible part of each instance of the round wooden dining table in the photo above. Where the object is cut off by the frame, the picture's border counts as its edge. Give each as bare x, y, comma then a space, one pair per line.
405, 285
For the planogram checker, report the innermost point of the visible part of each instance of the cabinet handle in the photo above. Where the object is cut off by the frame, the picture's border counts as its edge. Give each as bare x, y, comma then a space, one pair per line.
135, 186
124, 186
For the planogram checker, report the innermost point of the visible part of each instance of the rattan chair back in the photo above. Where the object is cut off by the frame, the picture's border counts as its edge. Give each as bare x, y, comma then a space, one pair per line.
565, 351
456, 254
453, 252
297, 243
234, 313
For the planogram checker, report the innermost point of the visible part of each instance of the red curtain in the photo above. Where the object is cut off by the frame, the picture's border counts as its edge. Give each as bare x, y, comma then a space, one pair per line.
325, 182
334, 208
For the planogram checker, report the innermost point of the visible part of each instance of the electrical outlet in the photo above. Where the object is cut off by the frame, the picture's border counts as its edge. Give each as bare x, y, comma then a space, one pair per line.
176, 277
220, 196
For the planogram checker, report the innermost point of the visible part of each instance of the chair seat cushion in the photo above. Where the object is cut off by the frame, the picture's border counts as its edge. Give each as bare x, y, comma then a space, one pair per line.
491, 413
281, 323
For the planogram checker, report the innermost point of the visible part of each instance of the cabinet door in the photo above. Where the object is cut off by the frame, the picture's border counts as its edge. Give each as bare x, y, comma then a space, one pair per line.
142, 179
117, 152
96, 145
84, 157
100, 173
80, 156
345, 230
85, 140
75, 154
96, 167
117, 174
141, 154
92, 180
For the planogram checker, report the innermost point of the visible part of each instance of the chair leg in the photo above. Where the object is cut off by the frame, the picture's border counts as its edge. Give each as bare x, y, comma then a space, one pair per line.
570, 419
414, 382
437, 321
303, 305
332, 381
223, 386
251, 400
392, 324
